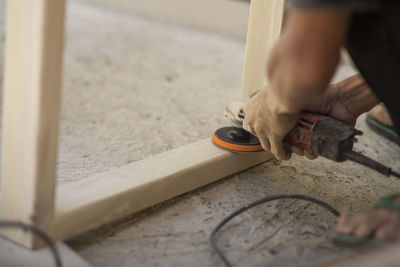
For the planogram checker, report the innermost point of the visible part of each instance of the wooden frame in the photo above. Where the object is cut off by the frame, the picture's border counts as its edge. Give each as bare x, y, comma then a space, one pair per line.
265, 23
32, 85
32, 81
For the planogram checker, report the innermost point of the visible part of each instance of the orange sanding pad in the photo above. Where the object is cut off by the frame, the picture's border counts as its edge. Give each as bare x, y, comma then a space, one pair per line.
236, 140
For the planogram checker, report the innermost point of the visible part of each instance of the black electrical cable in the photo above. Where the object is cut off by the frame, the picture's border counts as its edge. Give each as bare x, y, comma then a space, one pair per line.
256, 203
370, 163
42, 235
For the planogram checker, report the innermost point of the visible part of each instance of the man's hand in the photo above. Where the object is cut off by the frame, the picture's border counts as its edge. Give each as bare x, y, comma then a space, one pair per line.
268, 125
299, 69
345, 101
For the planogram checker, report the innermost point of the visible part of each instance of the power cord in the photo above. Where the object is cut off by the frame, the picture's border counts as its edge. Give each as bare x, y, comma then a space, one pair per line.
256, 203
39, 233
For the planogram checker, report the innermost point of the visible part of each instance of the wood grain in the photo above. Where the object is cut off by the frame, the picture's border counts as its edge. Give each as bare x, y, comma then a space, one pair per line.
107, 197
33, 65
264, 29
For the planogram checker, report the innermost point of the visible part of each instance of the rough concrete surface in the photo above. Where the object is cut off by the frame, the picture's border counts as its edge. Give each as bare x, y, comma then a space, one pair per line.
133, 88
14, 255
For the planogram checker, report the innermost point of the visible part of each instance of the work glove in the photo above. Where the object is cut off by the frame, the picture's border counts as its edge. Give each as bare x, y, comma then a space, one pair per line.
269, 123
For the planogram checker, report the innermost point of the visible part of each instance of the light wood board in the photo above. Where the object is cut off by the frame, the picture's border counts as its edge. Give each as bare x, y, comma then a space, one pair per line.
34, 45
107, 197
264, 29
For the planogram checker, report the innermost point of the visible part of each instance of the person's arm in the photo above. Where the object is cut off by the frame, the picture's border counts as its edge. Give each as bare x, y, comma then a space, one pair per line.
345, 100
304, 60
299, 70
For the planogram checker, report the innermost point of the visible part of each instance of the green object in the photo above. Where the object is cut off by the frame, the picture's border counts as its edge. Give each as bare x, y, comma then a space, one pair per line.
383, 129
388, 202
352, 240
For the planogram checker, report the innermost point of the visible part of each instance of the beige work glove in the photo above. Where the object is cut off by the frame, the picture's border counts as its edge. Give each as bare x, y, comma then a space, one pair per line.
264, 119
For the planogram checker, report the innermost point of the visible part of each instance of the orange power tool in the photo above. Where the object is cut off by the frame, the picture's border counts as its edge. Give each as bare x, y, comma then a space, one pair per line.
321, 135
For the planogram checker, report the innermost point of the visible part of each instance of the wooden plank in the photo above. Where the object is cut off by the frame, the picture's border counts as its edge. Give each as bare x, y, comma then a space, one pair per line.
13, 255
264, 29
106, 197
228, 17
34, 45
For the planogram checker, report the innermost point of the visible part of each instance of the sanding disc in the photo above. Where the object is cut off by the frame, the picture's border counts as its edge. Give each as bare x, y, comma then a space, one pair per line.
236, 140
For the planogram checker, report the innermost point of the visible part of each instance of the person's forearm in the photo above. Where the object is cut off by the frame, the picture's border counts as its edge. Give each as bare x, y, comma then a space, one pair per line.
297, 78
345, 100
305, 58
356, 95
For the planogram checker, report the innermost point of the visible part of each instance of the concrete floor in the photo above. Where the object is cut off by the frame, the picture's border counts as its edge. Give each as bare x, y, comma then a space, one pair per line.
133, 88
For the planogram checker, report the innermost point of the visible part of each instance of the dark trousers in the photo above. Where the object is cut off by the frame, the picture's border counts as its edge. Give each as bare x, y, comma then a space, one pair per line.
374, 45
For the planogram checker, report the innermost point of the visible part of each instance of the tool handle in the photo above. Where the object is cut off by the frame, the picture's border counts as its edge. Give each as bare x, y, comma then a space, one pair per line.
301, 134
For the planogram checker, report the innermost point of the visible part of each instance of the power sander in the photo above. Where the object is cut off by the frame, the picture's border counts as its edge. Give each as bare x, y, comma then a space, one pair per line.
319, 134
